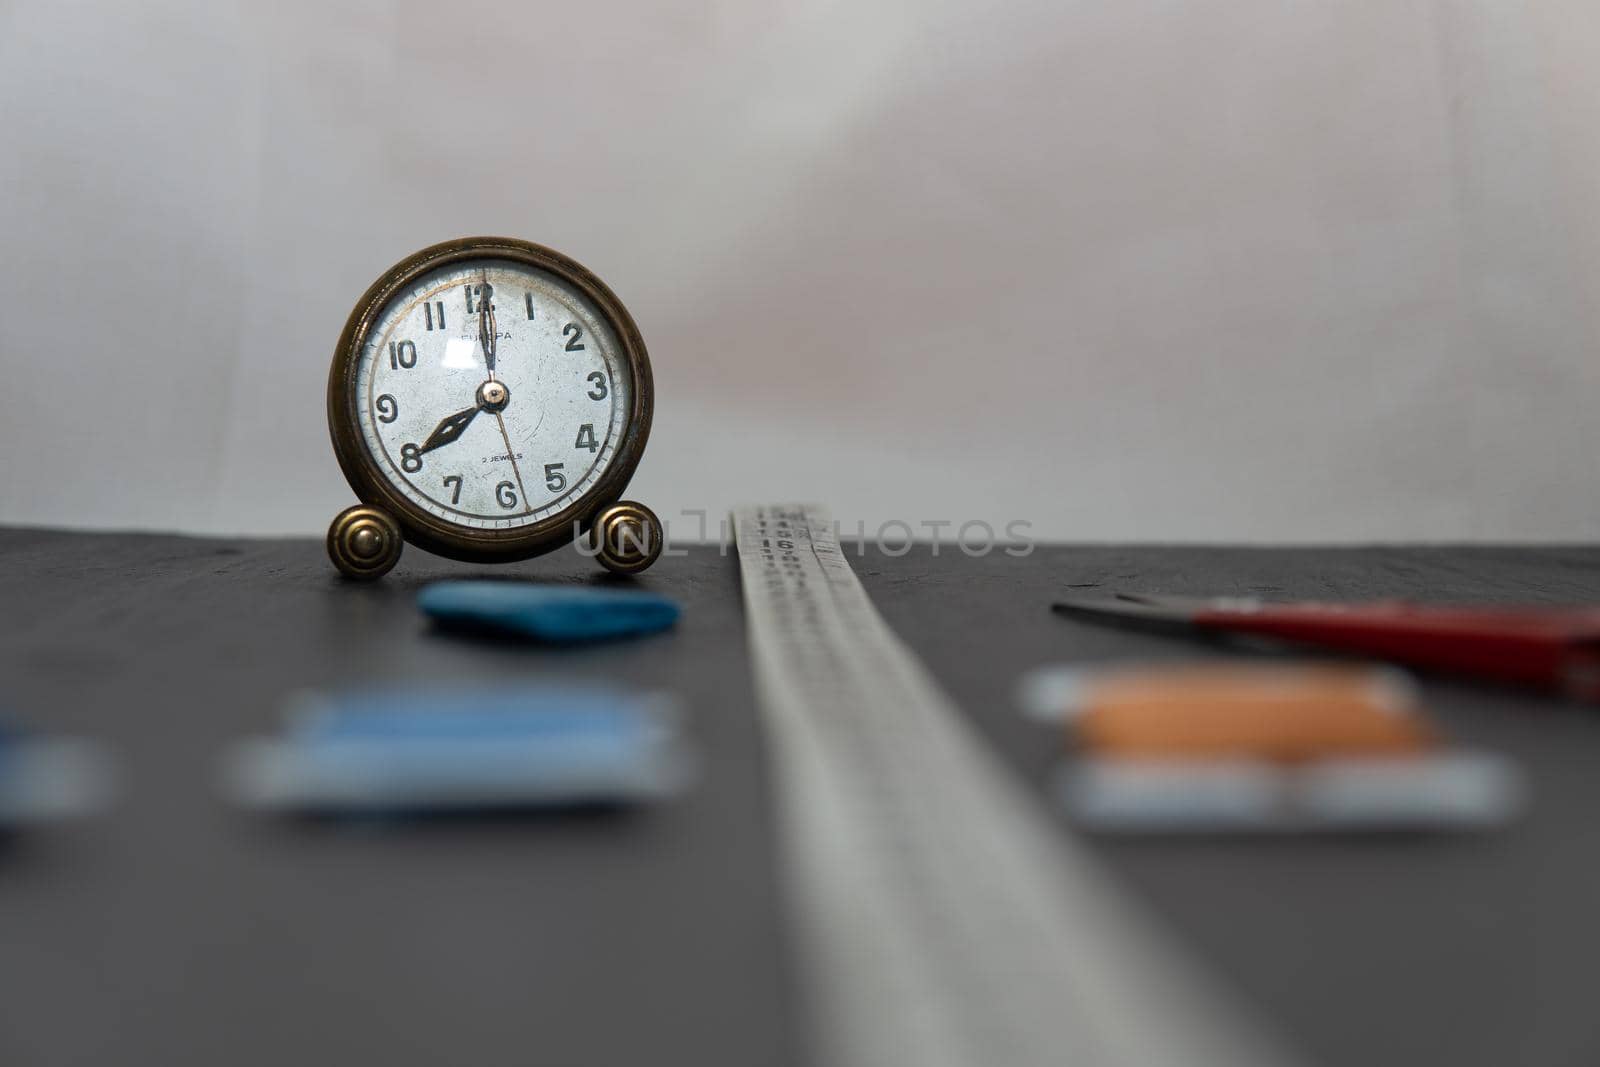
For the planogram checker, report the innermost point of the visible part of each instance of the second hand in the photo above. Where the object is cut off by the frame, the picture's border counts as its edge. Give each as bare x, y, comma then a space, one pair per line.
527, 508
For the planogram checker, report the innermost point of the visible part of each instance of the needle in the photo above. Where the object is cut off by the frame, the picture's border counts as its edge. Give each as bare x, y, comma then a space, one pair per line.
449, 429
512, 456
486, 328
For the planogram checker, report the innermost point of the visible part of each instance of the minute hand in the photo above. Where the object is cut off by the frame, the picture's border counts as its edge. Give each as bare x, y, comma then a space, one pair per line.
486, 330
449, 428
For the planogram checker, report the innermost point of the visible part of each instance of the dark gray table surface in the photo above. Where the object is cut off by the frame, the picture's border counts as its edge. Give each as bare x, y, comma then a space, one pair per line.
177, 930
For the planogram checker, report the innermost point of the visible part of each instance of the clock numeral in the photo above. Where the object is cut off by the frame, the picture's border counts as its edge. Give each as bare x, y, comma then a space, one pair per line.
388, 408
586, 438
554, 480
482, 291
428, 310
527, 298
573, 333
455, 497
506, 494
410, 458
599, 391
402, 354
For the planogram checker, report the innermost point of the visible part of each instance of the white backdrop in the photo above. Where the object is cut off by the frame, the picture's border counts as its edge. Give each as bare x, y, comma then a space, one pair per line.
1195, 269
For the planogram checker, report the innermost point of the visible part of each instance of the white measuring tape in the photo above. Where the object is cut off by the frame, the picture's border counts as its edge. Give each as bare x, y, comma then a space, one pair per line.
943, 920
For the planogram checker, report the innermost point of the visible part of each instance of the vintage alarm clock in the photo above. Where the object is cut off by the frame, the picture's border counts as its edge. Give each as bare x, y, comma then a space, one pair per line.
489, 400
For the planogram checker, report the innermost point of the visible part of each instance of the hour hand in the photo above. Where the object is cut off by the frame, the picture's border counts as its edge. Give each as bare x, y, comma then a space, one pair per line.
449, 428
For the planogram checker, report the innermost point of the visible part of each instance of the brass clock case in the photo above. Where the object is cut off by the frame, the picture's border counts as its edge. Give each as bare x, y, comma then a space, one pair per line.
428, 531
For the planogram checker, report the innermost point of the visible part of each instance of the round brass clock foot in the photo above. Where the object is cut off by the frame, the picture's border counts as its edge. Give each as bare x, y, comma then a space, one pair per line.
364, 542
626, 537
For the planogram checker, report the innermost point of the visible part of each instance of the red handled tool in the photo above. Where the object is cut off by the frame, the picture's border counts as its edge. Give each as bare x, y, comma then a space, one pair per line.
1552, 648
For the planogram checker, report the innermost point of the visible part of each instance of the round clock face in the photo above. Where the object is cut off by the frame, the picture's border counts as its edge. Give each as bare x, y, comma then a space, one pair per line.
491, 394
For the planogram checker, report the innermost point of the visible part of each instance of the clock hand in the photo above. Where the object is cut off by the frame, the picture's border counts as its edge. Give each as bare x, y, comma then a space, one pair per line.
512, 456
449, 428
486, 330
493, 396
